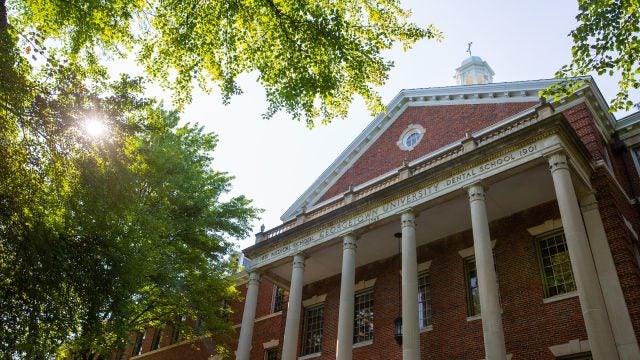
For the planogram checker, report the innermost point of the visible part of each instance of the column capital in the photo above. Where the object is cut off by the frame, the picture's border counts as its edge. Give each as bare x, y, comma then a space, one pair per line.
407, 218
299, 259
254, 278
476, 192
349, 241
558, 160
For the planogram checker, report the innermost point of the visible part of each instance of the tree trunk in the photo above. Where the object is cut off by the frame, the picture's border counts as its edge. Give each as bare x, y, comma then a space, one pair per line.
4, 21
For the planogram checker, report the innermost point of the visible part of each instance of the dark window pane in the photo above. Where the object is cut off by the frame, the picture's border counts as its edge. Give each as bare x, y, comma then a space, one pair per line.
312, 339
363, 317
424, 300
556, 264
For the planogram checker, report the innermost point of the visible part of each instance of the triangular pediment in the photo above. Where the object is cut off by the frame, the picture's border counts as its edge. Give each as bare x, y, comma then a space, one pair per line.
445, 116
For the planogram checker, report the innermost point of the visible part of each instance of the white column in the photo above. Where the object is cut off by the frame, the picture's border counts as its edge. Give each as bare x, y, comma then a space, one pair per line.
410, 327
248, 317
292, 324
344, 343
617, 309
492, 331
594, 312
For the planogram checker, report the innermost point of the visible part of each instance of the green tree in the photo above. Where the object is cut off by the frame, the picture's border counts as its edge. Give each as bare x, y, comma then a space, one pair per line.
606, 41
103, 235
312, 57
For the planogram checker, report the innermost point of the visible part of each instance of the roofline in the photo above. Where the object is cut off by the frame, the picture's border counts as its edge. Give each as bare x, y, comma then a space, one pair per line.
629, 120
423, 97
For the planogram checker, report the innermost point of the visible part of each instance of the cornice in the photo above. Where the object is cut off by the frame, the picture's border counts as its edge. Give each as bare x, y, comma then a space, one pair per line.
521, 91
628, 126
545, 127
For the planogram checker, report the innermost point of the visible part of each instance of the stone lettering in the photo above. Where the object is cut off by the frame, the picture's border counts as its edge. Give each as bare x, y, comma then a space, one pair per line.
392, 207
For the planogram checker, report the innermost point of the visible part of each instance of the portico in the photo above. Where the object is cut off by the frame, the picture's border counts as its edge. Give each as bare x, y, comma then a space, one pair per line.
503, 179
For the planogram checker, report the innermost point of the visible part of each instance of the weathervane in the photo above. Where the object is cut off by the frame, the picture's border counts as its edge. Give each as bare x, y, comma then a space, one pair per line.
469, 48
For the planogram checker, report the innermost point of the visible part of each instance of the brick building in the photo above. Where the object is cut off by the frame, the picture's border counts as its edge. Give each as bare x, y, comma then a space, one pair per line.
467, 222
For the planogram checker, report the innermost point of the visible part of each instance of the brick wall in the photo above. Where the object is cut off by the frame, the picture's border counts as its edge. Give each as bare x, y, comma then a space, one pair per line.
444, 124
268, 327
613, 207
530, 325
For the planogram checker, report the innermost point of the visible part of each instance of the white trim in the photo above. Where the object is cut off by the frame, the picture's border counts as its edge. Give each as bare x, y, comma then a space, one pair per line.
465, 253
310, 356
547, 226
411, 129
474, 317
560, 297
315, 299
269, 316
630, 227
426, 329
424, 266
575, 346
363, 285
631, 141
628, 121
522, 91
455, 180
362, 343
271, 344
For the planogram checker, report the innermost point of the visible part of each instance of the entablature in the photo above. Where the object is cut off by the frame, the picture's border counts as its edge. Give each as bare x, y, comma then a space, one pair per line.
495, 155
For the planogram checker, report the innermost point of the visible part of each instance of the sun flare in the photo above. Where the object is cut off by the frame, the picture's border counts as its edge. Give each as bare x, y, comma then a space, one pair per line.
95, 128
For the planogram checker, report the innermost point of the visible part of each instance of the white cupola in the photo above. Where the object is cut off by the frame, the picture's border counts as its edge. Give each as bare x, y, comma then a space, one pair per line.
473, 71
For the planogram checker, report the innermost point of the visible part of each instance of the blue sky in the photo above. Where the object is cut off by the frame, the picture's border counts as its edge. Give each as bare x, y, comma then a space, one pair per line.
275, 160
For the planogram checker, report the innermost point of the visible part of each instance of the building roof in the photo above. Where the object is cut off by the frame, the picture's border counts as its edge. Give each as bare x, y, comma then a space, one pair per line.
495, 93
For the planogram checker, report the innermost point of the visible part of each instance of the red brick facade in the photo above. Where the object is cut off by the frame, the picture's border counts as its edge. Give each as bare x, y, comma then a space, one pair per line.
530, 324
444, 124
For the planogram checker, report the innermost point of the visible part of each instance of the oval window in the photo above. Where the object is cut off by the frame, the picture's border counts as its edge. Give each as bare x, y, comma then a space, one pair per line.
412, 139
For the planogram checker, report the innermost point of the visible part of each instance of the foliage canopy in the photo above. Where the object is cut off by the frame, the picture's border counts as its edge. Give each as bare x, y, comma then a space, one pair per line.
312, 57
103, 235
606, 41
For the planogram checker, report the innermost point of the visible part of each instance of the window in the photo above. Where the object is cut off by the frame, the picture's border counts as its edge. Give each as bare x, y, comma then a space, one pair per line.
363, 317
312, 338
157, 337
424, 300
278, 299
557, 275
137, 346
473, 295
635, 152
410, 137
271, 354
